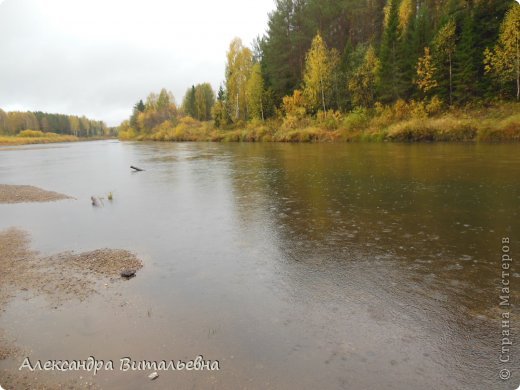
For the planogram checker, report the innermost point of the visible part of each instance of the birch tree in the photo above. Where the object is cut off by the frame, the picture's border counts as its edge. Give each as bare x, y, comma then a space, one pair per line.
320, 64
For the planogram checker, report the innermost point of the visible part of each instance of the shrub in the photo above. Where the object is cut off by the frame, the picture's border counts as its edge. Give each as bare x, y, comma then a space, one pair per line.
434, 106
442, 129
418, 110
401, 110
31, 133
356, 119
330, 119
294, 104
507, 130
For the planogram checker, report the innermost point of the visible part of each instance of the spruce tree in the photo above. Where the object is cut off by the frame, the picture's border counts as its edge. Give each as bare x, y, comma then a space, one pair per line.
466, 63
389, 51
487, 16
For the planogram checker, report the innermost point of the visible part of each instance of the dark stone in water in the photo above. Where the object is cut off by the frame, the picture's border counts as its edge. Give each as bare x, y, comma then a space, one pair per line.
128, 273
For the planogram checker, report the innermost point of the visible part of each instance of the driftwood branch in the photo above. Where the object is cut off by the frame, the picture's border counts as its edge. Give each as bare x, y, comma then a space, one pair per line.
136, 169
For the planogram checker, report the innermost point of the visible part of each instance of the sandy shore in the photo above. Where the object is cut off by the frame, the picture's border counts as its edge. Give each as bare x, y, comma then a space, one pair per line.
23, 193
60, 277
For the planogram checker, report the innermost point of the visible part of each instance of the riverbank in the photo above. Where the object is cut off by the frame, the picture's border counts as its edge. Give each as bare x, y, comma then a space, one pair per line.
58, 279
23, 193
28, 137
402, 122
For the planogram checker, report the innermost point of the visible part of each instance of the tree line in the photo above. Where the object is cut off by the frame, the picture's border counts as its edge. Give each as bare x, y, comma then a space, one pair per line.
322, 57
354, 53
12, 123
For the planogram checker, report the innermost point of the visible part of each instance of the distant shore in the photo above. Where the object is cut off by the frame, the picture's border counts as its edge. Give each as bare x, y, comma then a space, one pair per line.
39, 137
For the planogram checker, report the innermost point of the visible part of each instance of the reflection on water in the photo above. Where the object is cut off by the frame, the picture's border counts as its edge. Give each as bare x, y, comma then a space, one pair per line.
297, 266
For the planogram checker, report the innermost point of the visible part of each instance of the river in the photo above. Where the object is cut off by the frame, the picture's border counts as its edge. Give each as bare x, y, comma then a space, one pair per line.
305, 266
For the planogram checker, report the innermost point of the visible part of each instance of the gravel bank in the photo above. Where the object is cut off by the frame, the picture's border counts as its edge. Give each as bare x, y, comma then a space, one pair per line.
61, 277
21, 194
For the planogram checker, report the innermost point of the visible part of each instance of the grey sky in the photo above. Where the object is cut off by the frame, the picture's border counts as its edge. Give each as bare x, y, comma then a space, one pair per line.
98, 57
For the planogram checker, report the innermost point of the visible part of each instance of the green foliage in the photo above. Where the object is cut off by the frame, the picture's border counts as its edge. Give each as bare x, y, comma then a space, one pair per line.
504, 61
219, 112
389, 88
357, 119
138, 107
284, 47
467, 63
324, 68
204, 101
188, 103
3, 122
255, 93
365, 79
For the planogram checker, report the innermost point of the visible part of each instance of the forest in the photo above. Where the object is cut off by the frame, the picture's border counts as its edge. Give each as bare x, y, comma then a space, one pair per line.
32, 127
12, 123
357, 69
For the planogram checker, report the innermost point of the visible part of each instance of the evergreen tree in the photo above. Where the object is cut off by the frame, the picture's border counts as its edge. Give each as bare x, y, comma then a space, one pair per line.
422, 31
138, 108
504, 60
3, 122
363, 83
406, 57
284, 47
219, 112
389, 52
466, 65
487, 18
188, 103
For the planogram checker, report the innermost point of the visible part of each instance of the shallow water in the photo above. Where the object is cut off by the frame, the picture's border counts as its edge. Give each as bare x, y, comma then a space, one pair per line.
356, 266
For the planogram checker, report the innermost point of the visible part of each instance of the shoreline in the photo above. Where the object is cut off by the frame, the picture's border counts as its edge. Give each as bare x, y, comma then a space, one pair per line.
61, 278
11, 193
17, 141
398, 123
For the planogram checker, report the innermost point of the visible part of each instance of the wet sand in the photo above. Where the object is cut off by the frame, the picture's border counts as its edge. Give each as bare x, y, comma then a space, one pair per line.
61, 277
24, 193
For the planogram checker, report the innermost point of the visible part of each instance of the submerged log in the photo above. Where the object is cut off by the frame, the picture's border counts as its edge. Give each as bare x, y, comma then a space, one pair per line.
136, 169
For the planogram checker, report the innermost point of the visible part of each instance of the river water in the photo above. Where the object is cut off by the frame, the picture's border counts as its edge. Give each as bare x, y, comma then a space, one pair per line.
355, 266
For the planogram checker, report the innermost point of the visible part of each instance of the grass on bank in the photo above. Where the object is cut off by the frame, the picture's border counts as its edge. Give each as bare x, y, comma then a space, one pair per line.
26, 137
402, 122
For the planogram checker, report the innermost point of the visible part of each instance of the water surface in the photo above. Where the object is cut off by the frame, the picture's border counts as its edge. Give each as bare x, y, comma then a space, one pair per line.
364, 266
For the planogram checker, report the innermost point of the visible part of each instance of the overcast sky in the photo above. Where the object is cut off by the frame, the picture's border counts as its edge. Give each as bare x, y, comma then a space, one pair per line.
98, 57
